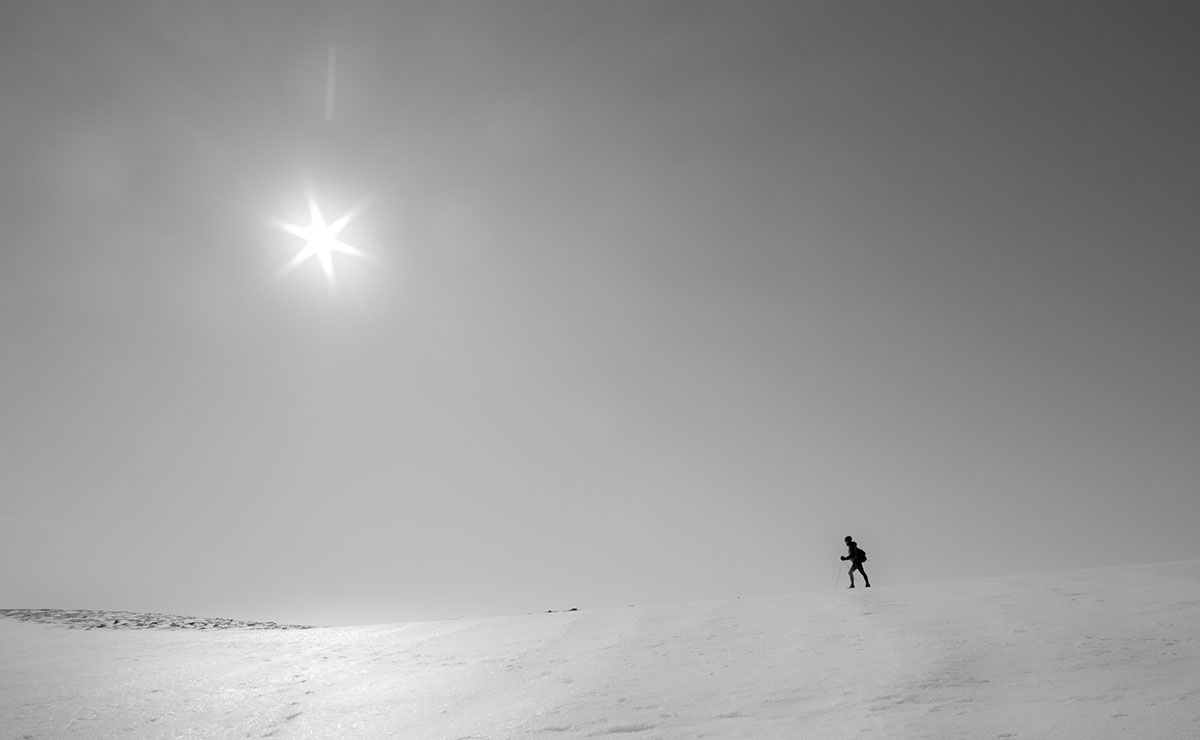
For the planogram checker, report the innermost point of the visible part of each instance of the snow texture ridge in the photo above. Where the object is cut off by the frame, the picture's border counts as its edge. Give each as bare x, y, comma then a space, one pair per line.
97, 619
1082, 655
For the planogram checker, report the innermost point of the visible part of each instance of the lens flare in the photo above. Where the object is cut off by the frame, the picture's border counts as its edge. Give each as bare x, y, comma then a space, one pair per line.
321, 238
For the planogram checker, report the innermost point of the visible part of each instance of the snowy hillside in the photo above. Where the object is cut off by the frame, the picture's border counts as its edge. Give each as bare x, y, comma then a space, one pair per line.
1105, 653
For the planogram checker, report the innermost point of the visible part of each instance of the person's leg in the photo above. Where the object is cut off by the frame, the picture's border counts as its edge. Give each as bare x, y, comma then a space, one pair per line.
852, 567
866, 581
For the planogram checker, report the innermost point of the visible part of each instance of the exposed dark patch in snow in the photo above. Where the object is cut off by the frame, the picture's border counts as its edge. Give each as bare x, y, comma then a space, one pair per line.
96, 619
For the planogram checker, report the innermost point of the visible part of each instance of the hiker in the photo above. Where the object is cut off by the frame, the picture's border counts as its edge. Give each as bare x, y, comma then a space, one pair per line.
856, 558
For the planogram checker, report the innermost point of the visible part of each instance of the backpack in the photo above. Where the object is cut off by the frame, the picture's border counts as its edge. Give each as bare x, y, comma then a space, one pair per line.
862, 555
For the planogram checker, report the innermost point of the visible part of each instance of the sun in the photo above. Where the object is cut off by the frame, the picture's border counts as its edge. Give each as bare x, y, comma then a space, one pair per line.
321, 239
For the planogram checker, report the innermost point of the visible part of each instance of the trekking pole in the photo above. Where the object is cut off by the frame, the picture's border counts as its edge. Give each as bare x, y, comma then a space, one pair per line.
838, 582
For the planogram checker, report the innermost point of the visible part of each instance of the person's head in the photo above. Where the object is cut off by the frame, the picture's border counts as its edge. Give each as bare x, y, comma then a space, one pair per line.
849, 539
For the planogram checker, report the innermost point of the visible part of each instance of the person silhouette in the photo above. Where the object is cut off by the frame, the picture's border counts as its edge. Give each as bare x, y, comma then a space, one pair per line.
856, 557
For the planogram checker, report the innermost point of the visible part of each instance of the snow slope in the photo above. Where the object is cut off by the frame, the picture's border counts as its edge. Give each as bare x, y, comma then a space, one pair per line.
1104, 653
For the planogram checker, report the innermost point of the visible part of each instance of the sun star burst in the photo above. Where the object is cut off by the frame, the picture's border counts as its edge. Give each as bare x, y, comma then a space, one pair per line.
321, 239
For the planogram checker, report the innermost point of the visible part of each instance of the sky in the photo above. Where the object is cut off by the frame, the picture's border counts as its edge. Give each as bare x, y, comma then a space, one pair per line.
658, 301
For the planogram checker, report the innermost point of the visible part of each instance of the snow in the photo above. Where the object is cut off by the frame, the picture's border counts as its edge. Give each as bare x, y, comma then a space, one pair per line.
1103, 653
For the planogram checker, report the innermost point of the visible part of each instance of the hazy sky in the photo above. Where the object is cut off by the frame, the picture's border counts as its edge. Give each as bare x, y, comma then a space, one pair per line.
663, 299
